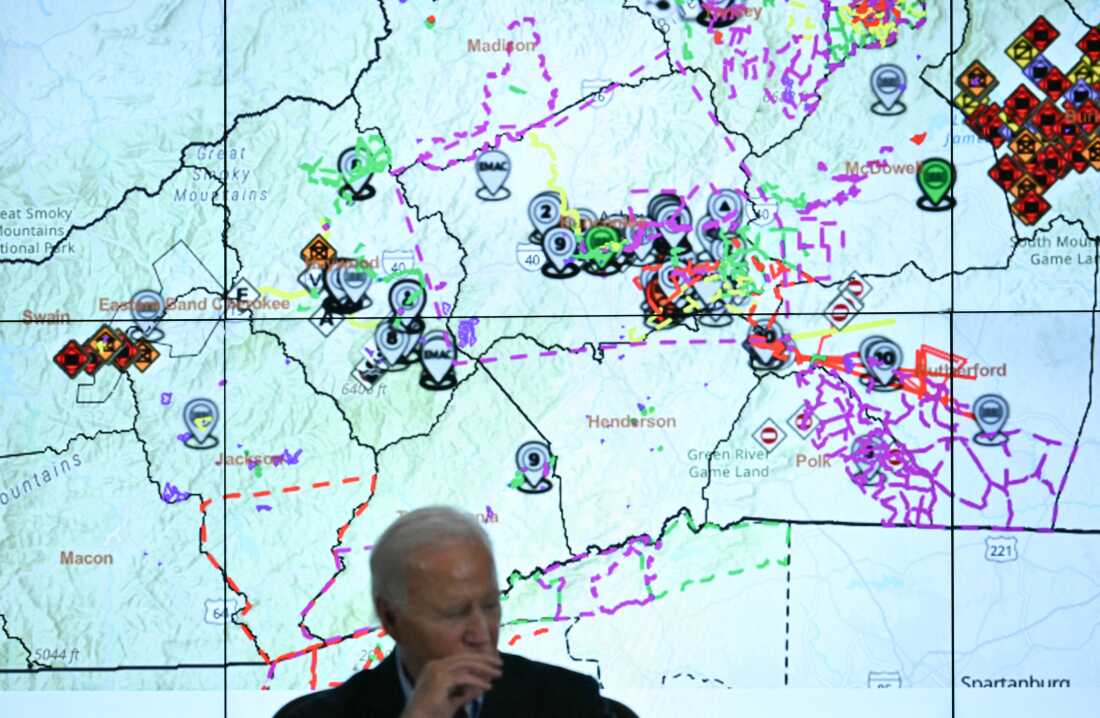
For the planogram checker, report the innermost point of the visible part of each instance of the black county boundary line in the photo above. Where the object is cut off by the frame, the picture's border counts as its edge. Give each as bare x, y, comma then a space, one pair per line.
624, 315
951, 329
139, 667
225, 353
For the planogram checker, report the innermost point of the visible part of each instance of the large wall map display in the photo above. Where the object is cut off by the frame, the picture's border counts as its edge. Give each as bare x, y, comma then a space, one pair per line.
760, 337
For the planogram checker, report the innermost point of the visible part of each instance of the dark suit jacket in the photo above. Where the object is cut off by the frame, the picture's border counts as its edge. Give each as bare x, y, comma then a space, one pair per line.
527, 689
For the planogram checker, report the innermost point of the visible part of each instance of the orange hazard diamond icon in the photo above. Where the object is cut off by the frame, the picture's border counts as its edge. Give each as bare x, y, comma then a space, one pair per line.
146, 355
318, 251
105, 343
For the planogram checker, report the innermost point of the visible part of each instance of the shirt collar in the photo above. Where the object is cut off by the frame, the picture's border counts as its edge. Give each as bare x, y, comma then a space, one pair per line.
473, 708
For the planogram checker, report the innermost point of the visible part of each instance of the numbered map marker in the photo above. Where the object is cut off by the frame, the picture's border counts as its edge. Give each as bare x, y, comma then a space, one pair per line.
544, 211
560, 244
391, 343
882, 359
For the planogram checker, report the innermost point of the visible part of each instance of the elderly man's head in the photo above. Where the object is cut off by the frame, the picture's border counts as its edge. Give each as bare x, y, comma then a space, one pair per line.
434, 585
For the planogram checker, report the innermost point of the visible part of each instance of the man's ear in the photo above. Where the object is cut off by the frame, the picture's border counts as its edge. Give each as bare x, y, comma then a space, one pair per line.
387, 614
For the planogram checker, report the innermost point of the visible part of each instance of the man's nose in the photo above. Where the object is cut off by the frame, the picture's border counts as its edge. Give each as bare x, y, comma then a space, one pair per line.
477, 628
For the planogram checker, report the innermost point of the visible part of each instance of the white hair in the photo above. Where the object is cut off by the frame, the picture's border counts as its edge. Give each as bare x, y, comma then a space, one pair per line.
430, 525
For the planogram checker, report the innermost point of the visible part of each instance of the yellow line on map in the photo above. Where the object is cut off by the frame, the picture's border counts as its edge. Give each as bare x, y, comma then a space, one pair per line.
364, 323
552, 183
281, 294
846, 330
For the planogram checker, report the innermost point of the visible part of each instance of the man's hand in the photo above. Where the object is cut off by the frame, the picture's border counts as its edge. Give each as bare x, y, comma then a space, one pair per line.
447, 684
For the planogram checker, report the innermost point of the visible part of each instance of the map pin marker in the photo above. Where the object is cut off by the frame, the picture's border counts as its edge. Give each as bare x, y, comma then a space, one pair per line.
407, 298
533, 458
334, 281
864, 455
725, 206
936, 177
356, 282
559, 245
147, 309
888, 82
200, 416
673, 221
882, 359
544, 211
991, 414
437, 354
493, 168
390, 342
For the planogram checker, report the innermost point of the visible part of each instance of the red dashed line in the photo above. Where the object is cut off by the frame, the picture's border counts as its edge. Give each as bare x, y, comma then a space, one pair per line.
291, 489
351, 480
513, 639
541, 631
260, 494
321, 484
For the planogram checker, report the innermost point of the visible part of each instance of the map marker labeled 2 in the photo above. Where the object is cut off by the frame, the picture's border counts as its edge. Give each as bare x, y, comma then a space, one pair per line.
544, 211
437, 355
200, 416
935, 178
991, 414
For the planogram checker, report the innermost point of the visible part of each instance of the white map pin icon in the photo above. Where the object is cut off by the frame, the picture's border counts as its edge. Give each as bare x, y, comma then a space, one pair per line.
888, 82
544, 211
493, 168
726, 206
200, 416
882, 359
407, 298
864, 454
355, 282
391, 342
147, 309
991, 413
673, 221
533, 457
559, 244
437, 354
334, 279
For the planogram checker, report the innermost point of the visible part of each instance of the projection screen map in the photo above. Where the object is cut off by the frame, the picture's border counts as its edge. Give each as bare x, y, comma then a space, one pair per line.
760, 337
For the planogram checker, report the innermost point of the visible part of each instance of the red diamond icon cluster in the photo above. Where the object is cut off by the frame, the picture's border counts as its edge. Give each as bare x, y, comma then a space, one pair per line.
1048, 135
105, 346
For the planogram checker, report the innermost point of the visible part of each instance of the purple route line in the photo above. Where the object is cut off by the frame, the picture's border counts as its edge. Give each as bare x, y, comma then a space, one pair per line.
905, 479
423, 157
630, 550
